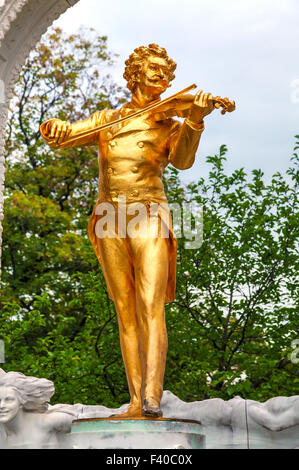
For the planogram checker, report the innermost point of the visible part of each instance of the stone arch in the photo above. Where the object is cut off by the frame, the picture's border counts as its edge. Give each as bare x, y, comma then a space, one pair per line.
22, 23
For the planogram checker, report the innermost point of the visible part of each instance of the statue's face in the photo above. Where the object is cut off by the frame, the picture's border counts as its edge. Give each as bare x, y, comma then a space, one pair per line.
154, 75
9, 404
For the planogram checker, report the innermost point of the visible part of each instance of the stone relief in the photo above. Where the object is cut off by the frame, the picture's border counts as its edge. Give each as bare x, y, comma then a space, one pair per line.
25, 416
27, 420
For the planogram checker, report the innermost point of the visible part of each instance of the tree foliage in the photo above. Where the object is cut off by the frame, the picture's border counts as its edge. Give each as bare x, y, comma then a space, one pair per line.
238, 290
235, 314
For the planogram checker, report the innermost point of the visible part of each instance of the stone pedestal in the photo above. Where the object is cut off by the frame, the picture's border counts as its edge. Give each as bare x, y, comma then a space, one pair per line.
136, 434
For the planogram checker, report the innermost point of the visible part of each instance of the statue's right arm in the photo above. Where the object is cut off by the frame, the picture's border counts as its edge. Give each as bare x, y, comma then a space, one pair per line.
56, 132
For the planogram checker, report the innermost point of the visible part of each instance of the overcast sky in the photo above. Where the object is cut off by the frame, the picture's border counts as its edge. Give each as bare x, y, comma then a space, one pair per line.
247, 50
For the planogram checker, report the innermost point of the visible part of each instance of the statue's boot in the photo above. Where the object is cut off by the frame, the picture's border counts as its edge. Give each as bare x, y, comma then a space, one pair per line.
151, 409
134, 411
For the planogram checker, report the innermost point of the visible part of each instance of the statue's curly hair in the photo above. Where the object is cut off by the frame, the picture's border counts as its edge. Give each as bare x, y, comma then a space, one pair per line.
136, 59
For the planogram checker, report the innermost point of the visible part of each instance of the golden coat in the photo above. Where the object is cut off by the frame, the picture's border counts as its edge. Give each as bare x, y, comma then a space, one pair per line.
132, 157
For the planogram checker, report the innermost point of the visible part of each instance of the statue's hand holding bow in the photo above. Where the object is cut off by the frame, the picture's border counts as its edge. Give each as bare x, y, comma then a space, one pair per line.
56, 131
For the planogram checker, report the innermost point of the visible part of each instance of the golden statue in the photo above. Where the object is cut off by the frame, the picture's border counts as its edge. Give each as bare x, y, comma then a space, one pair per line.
135, 144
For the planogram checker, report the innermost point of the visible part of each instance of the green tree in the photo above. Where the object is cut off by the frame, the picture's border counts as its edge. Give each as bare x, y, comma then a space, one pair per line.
236, 308
56, 318
234, 317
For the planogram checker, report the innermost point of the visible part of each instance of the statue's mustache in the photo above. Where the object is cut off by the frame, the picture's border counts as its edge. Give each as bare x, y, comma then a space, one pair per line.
157, 79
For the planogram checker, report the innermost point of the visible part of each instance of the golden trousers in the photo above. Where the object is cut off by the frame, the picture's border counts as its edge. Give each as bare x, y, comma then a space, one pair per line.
136, 270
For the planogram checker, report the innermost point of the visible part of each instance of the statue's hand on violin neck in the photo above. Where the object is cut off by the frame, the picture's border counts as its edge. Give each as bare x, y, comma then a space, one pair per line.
203, 105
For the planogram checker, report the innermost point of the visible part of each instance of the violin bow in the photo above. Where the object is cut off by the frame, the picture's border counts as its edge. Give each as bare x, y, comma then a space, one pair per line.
144, 110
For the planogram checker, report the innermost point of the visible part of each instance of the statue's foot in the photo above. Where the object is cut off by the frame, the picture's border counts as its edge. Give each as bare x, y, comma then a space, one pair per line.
134, 411
151, 409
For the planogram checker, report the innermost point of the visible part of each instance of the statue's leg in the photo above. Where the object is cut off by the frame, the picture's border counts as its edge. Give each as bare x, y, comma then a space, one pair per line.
118, 272
151, 259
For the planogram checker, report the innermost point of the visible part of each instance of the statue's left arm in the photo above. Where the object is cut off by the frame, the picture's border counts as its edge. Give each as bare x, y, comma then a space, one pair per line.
184, 138
183, 144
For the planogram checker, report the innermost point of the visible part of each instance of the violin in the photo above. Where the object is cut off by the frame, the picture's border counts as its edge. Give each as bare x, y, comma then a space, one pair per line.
178, 105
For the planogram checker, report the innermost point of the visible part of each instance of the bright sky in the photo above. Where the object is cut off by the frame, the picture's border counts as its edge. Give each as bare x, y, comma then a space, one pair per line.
247, 50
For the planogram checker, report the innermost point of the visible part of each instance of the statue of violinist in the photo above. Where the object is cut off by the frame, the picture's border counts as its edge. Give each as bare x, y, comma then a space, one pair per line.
133, 153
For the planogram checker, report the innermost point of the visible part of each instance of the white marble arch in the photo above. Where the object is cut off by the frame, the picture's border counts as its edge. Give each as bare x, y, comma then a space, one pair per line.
22, 23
